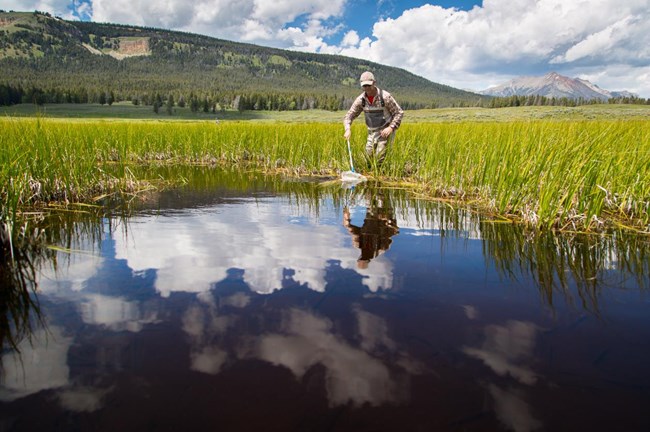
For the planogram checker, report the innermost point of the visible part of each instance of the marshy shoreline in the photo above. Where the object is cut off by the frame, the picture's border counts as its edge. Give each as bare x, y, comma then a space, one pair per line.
547, 170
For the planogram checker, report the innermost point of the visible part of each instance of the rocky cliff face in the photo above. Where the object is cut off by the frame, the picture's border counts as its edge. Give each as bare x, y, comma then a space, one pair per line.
130, 48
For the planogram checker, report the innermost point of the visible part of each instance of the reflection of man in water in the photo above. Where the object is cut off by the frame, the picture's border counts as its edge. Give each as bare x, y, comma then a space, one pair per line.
374, 237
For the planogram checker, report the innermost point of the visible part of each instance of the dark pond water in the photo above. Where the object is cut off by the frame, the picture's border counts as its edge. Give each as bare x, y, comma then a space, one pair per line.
247, 303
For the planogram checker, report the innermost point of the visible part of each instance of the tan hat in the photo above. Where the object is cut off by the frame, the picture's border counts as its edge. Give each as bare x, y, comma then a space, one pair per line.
367, 78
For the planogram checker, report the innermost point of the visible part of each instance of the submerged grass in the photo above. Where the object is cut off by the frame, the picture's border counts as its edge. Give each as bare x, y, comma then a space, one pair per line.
571, 175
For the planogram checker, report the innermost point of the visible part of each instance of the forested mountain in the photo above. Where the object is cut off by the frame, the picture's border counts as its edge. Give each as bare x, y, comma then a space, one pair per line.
48, 59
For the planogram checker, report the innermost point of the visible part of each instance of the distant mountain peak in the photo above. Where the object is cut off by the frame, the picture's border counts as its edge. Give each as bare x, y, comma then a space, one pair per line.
555, 85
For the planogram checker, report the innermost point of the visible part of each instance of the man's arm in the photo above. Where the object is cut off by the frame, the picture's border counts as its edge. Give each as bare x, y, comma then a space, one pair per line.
395, 111
353, 112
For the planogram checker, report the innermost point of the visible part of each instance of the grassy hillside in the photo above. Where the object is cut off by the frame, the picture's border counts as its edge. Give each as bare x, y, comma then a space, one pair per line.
38, 50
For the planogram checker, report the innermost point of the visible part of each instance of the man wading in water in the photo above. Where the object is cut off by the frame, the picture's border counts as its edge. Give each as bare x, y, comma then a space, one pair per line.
379, 225
383, 116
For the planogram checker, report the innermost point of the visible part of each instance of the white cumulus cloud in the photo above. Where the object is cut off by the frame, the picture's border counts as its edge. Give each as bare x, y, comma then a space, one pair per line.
501, 40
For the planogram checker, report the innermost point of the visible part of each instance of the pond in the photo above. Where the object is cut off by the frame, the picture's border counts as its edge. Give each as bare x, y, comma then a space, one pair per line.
246, 302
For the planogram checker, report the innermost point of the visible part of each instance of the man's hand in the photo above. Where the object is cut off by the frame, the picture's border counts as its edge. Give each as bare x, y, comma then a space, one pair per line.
385, 133
347, 134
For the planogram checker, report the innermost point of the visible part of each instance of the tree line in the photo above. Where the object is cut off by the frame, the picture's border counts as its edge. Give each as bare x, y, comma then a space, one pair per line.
12, 95
538, 100
255, 100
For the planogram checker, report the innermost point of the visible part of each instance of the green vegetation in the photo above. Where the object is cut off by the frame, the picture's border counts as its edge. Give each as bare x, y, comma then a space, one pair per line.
570, 174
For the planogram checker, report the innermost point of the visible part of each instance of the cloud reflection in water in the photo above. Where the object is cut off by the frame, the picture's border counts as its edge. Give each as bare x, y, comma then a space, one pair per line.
41, 364
191, 255
507, 350
302, 341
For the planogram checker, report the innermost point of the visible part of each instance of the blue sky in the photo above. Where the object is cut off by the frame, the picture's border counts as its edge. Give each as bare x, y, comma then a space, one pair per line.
465, 44
361, 15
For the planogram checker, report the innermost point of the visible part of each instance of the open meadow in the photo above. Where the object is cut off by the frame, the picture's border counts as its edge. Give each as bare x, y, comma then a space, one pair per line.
126, 110
583, 168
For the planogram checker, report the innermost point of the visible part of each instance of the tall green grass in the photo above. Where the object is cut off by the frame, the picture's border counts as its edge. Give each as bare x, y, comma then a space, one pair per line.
571, 175
552, 174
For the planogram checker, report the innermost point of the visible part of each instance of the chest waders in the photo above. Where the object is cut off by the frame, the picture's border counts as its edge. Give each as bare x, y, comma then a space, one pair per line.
377, 118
